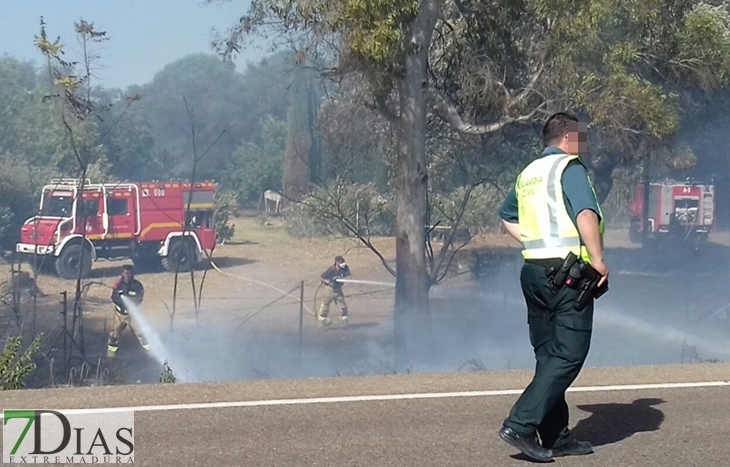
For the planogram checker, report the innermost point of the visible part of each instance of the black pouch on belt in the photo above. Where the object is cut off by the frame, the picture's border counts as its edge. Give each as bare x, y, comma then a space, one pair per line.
557, 275
588, 286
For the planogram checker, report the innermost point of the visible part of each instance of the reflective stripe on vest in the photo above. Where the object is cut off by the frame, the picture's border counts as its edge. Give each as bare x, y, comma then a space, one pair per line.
546, 229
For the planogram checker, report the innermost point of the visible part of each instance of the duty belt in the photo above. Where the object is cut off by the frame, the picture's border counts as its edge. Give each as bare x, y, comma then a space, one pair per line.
546, 263
574, 273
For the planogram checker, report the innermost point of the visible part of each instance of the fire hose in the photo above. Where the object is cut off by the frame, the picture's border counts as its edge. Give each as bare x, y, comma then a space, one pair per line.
284, 292
314, 300
288, 294
316, 291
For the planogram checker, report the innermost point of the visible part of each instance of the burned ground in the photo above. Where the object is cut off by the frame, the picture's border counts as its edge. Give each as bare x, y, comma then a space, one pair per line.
660, 309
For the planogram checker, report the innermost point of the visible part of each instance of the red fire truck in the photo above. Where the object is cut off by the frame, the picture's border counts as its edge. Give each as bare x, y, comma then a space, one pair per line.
144, 221
683, 211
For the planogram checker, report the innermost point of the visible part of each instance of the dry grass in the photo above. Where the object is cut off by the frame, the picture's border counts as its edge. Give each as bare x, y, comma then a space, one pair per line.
261, 263
266, 231
264, 252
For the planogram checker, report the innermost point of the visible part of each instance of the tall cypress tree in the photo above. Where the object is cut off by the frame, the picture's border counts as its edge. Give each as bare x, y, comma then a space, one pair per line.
314, 92
296, 163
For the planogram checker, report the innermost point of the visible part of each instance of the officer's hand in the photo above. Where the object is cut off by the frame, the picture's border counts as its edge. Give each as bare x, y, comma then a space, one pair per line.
601, 269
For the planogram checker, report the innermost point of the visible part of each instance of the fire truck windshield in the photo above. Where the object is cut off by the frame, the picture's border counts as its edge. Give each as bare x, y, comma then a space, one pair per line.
57, 204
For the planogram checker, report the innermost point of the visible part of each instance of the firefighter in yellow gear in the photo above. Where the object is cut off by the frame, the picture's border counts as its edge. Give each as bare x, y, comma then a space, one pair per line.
125, 286
333, 291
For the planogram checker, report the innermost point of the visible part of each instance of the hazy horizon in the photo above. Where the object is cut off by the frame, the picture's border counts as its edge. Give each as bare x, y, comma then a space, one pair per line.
143, 37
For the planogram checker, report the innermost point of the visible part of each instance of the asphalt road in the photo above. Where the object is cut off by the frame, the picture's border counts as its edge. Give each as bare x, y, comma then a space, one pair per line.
341, 422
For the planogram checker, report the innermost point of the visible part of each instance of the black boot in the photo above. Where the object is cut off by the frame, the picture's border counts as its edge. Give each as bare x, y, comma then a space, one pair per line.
527, 444
573, 448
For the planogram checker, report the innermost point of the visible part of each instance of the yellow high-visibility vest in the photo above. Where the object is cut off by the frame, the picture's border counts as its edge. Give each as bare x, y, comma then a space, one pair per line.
546, 229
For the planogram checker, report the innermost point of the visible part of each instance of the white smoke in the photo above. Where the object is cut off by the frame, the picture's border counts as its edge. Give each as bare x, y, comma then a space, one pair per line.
158, 350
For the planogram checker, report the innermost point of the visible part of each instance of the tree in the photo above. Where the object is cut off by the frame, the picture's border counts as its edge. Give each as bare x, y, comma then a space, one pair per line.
299, 140
152, 138
34, 144
126, 138
215, 90
484, 66
358, 144
69, 95
258, 167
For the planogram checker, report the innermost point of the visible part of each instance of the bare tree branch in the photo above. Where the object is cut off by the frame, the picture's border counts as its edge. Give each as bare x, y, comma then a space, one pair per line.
196, 159
530, 88
333, 202
451, 259
448, 112
454, 226
379, 105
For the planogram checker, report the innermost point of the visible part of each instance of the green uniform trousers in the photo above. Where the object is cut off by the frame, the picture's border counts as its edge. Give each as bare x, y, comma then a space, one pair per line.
560, 337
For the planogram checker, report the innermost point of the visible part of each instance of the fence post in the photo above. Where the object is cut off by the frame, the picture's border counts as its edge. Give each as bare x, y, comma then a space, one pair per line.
301, 321
65, 330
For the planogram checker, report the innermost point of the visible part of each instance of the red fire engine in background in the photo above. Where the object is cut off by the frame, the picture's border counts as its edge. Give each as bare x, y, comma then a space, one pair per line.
144, 221
682, 211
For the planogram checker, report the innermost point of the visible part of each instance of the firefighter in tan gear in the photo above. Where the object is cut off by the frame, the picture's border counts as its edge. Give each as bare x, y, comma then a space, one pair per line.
131, 288
333, 291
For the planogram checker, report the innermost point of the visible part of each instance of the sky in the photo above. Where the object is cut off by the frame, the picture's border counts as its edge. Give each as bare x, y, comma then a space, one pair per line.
144, 35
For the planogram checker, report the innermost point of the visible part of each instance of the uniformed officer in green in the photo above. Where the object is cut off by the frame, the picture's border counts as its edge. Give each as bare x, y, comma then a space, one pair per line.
552, 210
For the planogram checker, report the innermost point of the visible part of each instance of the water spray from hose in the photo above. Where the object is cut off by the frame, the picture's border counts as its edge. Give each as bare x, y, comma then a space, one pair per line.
157, 348
659, 332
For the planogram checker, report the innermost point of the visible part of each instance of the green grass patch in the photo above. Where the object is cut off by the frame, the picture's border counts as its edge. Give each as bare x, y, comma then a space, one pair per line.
260, 231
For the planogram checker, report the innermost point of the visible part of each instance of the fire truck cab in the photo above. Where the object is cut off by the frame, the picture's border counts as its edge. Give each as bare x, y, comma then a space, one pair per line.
145, 221
682, 211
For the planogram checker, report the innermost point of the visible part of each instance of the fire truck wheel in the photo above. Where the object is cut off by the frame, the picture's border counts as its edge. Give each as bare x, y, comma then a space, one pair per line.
182, 252
73, 256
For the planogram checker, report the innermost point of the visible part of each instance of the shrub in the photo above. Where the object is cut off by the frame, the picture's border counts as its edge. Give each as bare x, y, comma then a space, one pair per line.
225, 207
339, 209
481, 213
14, 367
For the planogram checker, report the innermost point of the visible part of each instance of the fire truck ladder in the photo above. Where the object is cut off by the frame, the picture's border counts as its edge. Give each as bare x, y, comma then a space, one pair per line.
75, 182
105, 216
139, 209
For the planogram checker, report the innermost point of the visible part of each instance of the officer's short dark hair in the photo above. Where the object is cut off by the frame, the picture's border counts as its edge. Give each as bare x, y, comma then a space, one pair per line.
128, 267
556, 127
339, 259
